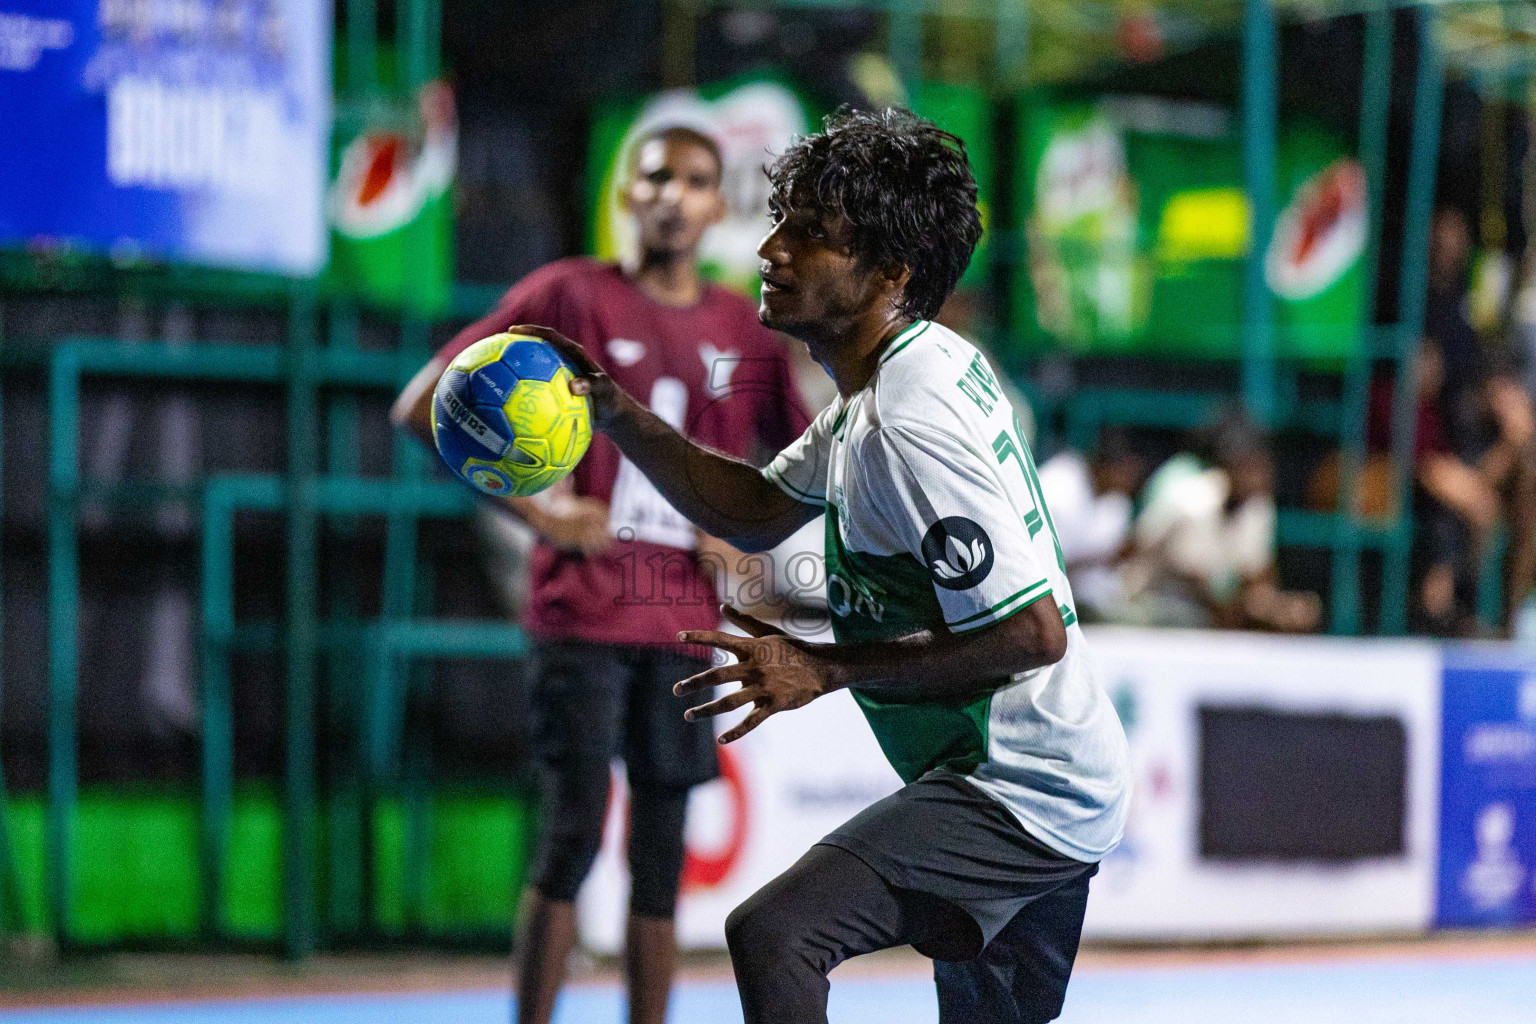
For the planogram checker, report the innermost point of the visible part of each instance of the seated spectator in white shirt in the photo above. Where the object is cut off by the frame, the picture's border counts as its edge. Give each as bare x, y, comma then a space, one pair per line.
1090, 502
1204, 543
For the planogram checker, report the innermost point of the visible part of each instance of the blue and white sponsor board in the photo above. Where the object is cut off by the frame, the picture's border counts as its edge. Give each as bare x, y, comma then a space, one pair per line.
194, 131
1488, 789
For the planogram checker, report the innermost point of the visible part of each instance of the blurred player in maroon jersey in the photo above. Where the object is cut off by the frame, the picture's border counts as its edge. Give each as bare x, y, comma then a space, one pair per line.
616, 573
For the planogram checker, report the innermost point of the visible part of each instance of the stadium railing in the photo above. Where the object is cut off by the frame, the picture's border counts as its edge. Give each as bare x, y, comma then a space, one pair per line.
377, 712
304, 497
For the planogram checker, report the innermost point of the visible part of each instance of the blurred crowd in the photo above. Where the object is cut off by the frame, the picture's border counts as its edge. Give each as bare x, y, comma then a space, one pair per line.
1473, 466
1190, 544
1192, 541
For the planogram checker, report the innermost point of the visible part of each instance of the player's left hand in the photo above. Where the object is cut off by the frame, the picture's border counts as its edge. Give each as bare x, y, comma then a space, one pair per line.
777, 672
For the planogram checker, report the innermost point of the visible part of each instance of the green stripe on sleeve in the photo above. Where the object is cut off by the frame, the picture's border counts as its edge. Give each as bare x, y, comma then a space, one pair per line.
790, 489
1004, 608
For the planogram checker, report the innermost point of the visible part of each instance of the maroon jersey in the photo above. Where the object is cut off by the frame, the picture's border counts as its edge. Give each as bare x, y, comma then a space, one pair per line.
710, 370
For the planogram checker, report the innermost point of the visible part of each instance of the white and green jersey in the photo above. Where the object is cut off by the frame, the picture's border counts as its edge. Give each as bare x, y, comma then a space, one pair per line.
935, 521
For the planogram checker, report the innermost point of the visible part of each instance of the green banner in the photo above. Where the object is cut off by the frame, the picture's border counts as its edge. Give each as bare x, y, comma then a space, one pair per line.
1136, 228
752, 118
965, 111
391, 205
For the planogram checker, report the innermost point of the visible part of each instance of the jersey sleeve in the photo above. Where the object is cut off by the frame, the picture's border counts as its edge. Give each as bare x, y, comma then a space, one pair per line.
800, 470
944, 503
536, 299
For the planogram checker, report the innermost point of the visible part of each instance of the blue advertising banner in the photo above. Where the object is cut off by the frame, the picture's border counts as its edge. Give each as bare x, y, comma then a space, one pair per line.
191, 131
1488, 790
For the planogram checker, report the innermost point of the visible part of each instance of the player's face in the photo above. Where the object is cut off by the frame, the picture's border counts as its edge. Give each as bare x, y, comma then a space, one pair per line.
674, 195
813, 284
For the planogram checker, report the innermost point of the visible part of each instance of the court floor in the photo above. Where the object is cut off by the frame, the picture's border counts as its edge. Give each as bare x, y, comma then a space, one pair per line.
1438, 989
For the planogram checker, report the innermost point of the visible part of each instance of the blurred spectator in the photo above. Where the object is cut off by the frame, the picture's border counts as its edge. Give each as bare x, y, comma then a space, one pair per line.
1453, 506
1474, 462
1204, 543
1490, 420
1090, 502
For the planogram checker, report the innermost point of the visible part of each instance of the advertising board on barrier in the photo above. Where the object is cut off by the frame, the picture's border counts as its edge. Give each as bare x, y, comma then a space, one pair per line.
192, 131
1488, 789
1137, 227
1283, 786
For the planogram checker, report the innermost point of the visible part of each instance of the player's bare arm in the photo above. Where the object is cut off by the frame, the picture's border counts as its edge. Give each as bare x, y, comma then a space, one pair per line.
724, 497
568, 521
779, 672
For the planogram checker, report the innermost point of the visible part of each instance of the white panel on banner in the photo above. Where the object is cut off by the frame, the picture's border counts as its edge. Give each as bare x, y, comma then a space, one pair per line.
805, 772
191, 131
1157, 885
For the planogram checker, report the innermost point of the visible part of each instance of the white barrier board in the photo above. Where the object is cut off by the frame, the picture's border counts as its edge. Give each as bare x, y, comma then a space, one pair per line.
1156, 885
804, 772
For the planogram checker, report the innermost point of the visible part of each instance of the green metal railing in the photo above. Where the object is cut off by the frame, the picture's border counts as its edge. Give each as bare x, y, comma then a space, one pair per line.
375, 701
403, 502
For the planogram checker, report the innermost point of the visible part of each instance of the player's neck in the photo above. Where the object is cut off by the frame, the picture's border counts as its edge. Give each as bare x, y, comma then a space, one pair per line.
668, 278
852, 357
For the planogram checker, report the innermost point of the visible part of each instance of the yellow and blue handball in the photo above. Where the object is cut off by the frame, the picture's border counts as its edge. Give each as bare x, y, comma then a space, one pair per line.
504, 418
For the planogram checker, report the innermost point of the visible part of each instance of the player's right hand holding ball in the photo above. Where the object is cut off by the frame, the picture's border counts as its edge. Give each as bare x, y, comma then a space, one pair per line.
591, 381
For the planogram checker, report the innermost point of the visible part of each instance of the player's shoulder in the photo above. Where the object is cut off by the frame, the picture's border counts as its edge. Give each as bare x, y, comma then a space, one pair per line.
729, 300
573, 270
915, 388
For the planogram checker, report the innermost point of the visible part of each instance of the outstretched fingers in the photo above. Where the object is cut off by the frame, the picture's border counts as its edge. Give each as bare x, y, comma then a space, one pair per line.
737, 645
746, 725
712, 677
721, 705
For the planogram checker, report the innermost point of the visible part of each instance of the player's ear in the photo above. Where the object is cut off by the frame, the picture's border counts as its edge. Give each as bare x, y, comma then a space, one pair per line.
894, 277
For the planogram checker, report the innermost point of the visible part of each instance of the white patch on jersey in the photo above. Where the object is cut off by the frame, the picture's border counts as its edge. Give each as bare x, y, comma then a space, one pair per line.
719, 366
626, 352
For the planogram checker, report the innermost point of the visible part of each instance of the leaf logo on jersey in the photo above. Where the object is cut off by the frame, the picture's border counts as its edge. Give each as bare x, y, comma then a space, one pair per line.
958, 553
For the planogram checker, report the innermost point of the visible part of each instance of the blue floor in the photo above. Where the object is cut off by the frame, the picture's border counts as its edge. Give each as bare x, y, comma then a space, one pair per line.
1407, 991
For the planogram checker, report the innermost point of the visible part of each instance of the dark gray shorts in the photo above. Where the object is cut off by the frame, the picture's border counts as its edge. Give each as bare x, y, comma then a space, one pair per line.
595, 702
1008, 956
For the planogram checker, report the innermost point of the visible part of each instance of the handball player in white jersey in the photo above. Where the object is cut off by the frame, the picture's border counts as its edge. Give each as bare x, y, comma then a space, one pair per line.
954, 624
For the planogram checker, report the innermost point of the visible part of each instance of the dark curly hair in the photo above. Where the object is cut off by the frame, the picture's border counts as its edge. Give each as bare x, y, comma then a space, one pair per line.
903, 183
